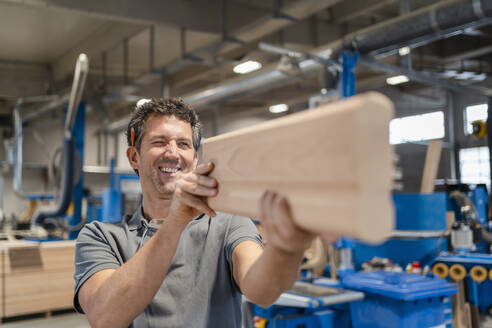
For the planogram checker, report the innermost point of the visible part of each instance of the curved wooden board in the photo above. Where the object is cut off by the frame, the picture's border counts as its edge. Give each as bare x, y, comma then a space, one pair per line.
333, 163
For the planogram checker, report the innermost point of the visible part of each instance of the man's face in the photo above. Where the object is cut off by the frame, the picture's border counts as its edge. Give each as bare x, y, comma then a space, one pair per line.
166, 152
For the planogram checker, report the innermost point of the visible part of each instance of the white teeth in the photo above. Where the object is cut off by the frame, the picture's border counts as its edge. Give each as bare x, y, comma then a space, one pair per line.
169, 170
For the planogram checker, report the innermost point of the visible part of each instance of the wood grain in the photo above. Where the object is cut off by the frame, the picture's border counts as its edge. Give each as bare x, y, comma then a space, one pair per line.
36, 277
431, 166
333, 163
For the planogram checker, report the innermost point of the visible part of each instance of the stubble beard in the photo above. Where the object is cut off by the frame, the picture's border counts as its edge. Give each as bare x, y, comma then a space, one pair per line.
159, 185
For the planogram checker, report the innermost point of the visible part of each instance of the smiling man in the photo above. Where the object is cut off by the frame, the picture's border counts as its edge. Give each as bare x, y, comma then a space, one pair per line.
191, 269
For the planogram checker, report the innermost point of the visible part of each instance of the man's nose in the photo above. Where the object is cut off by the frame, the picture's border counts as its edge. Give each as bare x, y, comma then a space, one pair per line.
172, 149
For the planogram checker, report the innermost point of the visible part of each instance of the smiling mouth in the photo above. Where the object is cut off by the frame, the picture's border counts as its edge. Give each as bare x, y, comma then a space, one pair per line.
169, 170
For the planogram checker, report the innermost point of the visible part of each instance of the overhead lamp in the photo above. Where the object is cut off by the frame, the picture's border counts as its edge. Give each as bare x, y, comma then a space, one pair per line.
397, 79
404, 51
279, 108
142, 101
247, 67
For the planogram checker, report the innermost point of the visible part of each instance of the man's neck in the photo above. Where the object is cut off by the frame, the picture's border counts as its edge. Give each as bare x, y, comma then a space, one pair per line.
155, 208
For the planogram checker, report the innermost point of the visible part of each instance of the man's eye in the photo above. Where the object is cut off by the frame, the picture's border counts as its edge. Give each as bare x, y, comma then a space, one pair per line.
184, 145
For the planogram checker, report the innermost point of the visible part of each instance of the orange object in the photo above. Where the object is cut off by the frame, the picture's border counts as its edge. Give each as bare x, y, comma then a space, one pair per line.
132, 136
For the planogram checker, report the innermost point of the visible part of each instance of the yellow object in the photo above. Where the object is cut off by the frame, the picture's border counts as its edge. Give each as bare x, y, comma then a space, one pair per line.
260, 323
441, 270
479, 129
29, 212
70, 209
457, 272
478, 273
490, 274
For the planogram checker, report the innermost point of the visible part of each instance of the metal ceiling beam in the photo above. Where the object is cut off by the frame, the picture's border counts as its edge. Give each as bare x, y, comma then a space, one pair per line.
350, 10
297, 36
424, 77
467, 55
193, 15
107, 37
259, 28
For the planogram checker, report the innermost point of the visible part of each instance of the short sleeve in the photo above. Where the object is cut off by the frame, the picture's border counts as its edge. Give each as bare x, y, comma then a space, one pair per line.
93, 253
240, 229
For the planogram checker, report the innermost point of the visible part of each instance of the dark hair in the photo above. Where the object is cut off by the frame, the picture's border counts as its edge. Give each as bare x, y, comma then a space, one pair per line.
162, 106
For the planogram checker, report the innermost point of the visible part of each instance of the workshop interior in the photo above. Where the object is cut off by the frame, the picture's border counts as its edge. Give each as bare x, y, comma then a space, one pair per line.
72, 72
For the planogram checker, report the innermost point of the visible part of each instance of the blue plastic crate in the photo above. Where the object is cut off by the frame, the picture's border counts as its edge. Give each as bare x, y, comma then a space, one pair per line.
398, 300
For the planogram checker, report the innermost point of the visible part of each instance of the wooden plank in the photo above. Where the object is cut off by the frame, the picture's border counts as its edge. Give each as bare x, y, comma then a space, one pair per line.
461, 309
34, 257
36, 277
431, 166
334, 164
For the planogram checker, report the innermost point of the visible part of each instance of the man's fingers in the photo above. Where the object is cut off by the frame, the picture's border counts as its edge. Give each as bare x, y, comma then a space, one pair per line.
197, 203
204, 168
198, 190
201, 180
266, 203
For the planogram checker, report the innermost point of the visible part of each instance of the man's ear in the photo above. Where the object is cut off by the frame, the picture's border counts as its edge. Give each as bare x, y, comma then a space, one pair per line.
195, 159
133, 158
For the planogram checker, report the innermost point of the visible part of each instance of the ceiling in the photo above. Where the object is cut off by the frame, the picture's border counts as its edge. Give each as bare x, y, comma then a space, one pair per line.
139, 48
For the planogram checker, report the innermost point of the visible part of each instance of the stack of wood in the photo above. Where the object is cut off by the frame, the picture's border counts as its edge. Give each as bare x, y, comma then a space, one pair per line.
35, 277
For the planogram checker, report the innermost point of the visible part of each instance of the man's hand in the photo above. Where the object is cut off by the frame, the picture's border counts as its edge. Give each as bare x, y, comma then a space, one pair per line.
283, 234
189, 193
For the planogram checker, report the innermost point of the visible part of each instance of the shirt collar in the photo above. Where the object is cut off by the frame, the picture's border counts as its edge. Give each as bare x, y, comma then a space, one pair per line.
138, 221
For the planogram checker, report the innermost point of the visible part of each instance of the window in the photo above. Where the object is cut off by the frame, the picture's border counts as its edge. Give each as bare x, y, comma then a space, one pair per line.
474, 113
475, 165
417, 128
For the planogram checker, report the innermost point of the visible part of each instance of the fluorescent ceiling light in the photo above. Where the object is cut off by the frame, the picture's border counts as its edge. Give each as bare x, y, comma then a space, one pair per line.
142, 101
404, 51
398, 79
275, 109
247, 67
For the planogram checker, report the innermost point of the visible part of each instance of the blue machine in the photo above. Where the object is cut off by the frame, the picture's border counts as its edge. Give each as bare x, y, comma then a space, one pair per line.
413, 212
475, 268
113, 198
399, 300
94, 208
321, 304
78, 132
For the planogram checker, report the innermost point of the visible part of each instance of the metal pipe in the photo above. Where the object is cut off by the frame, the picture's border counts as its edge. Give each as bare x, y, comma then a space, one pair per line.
418, 234
43, 98
436, 20
56, 103
67, 184
125, 61
452, 138
489, 142
151, 47
298, 55
17, 149
80, 75
423, 77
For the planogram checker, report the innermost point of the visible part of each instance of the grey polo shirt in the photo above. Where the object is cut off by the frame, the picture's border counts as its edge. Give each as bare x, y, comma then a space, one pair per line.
199, 289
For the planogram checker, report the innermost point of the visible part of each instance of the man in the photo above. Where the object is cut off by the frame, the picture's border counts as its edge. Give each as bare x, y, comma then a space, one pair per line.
193, 269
